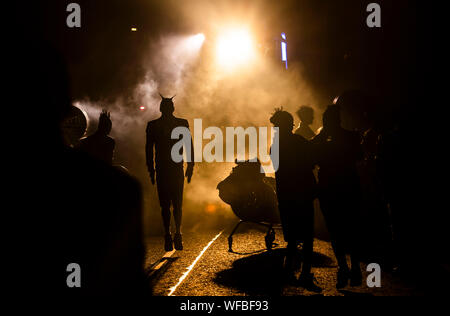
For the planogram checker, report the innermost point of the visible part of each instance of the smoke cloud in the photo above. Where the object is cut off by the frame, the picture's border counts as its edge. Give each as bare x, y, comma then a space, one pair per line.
177, 64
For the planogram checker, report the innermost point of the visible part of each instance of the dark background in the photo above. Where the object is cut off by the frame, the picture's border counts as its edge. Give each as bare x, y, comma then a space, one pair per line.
330, 38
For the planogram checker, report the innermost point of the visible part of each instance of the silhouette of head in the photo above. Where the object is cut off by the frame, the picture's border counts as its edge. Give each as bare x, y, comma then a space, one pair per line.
104, 123
332, 118
166, 106
283, 120
306, 114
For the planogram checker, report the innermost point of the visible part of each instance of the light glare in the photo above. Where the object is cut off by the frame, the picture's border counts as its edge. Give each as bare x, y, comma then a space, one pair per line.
196, 41
234, 48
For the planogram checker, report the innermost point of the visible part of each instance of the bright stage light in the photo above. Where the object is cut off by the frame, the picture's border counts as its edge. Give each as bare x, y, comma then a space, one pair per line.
235, 48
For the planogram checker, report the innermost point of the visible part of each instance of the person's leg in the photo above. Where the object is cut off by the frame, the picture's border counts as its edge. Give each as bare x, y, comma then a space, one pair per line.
289, 260
177, 200
284, 207
164, 202
330, 209
165, 214
306, 222
178, 216
308, 240
353, 239
355, 274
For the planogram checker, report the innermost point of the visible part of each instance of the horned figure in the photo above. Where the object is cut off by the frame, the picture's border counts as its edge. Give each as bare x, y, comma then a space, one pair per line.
166, 105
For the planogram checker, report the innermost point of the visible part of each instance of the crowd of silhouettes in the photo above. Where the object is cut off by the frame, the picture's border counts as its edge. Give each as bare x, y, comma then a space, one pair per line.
93, 211
358, 176
359, 183
81, 209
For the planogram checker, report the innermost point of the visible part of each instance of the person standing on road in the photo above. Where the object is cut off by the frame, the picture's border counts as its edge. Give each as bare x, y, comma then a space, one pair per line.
295, 186
338, 152
169, 174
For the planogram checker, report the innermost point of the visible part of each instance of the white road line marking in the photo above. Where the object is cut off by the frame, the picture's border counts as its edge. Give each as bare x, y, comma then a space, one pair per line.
189, 269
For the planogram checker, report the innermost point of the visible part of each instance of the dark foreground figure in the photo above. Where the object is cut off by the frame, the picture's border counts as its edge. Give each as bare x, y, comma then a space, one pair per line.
100, 145
295, 191
169, 174
87, 212
338, 151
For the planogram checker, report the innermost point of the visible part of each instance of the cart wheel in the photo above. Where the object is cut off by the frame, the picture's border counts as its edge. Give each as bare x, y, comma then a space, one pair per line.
270, 237
230, 244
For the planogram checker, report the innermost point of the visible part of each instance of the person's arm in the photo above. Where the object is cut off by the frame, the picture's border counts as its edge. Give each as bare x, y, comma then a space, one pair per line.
190, 164
149, 152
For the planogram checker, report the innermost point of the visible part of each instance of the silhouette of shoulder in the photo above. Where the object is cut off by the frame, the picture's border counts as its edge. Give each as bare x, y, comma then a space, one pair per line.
110, 140
177, 122
300, 140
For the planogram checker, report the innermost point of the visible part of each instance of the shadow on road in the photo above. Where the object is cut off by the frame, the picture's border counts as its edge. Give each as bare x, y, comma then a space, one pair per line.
262, 274
354, 294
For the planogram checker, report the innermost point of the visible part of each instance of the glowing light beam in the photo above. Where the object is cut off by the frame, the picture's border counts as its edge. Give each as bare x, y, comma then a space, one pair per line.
196, 41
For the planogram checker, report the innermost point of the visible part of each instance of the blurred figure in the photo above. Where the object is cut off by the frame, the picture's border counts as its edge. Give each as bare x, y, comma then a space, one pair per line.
169, 174
99, 145
295, 186
93, 212
339, 192
374, 204
306, 115
395, 179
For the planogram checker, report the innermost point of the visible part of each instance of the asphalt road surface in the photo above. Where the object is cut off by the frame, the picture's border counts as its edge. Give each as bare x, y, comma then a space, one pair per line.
206, 268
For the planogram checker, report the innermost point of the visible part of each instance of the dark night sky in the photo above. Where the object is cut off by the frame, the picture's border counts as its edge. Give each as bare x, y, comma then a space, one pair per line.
103, 56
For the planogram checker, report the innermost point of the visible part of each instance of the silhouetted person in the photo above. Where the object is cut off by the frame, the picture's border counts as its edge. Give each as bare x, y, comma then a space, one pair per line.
295, 186
339, 193
306, 116
169, 174
394, 164
99, 145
